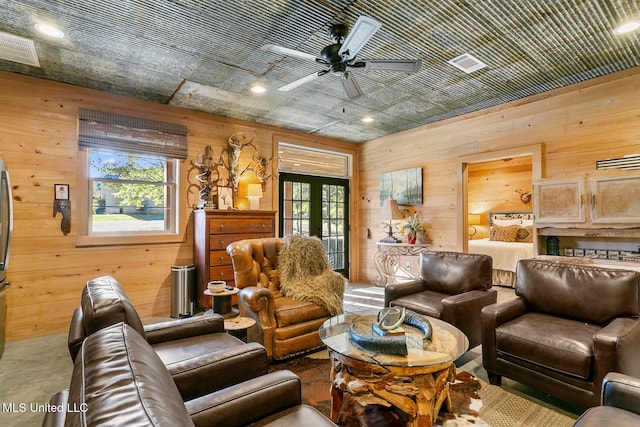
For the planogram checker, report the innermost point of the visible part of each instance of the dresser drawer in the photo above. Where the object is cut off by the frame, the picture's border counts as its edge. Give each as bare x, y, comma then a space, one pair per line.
217, 258
235, 226
224, 272
221, 241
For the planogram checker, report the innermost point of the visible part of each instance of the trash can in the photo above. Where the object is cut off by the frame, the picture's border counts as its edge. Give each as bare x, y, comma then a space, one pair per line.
183, 290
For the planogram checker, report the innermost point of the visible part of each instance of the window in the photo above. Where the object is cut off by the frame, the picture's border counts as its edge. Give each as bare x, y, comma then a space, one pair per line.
130, 178
131, 193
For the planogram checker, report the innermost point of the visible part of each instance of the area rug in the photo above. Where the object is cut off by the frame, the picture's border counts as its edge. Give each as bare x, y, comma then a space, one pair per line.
475, 402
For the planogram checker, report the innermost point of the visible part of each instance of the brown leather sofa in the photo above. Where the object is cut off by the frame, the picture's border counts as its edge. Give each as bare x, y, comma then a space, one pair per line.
119, 380
567, 328
191, 349
285, 326
453, 287
620, 404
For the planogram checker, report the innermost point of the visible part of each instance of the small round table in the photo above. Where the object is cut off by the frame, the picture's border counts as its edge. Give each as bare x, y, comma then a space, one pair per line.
221, 302
237, 326
416, 384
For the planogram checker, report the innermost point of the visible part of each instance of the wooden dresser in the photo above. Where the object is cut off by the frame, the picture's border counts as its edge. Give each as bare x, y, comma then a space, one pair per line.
214, 229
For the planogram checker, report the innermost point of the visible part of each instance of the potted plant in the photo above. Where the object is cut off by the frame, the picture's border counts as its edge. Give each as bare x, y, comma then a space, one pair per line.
412, 227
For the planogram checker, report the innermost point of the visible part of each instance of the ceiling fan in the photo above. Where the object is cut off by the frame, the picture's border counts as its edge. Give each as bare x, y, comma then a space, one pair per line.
341, 56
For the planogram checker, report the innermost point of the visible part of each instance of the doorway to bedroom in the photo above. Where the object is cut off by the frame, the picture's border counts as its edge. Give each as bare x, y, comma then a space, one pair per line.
497, 185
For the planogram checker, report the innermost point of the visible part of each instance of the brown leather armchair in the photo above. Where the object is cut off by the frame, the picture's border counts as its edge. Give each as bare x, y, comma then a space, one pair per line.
284, 325
453, 287
192, 349
119, 380
620, 403
567, 328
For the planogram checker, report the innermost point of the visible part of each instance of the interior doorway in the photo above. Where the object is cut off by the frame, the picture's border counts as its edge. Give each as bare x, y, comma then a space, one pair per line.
534, 152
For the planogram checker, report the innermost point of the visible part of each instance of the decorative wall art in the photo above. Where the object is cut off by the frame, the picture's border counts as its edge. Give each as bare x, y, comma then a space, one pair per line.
212, 175
405, 186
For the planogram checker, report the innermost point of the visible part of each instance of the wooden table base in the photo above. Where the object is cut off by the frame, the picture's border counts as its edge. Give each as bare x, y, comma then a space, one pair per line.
420, 391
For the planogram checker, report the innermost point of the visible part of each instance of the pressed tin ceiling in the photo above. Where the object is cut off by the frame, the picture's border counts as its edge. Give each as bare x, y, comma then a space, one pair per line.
205, 55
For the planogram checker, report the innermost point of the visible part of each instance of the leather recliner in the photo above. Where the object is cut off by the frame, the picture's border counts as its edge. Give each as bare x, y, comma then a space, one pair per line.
285, 326
119, 380
568, 326
453, 287
192, 349
620, 403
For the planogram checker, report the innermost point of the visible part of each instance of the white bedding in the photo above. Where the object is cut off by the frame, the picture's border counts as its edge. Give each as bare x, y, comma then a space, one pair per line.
505, 254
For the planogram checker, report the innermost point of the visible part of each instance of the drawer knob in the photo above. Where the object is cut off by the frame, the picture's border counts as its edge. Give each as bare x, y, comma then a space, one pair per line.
263, 226
221, 227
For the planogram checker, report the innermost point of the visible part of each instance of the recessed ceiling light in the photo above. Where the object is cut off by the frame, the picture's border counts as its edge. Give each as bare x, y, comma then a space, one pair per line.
628, 27
296, 164
49, 30
258, 89
367, 119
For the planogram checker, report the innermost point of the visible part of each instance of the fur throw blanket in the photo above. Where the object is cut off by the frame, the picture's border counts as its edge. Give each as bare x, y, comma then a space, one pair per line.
305, 274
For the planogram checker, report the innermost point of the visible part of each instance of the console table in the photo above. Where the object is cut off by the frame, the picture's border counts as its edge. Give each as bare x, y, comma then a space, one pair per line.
387, 261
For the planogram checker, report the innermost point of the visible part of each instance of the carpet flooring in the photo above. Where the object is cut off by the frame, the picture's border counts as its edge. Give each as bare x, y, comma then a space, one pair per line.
32, 370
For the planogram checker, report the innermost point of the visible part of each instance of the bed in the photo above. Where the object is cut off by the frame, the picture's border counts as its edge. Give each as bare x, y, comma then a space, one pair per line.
511, 240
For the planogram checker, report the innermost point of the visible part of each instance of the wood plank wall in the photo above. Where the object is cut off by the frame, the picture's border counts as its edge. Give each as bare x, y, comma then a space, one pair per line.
576, 126
38, 141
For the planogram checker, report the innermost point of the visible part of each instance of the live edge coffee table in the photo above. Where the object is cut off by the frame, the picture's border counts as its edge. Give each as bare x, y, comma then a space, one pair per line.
416, 384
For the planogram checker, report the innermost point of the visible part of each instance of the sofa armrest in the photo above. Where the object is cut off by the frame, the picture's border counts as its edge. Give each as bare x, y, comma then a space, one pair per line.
463, 310
205, 374
247, 402
493, 316
260, 301
398, 290
76, 333
57, 418
183, 328
621, 391
616, 348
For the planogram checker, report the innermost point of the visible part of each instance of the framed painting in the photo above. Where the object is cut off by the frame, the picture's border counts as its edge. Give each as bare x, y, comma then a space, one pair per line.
405, 186
225, 198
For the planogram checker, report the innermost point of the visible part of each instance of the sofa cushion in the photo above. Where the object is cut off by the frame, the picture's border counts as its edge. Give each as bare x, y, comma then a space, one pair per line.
428, 303
455, 273
105, 303
290, 311
555, 343
120, 380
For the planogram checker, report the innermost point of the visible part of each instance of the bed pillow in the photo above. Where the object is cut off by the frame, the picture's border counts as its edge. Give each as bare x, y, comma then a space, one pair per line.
504, 234
506, 222
524, 234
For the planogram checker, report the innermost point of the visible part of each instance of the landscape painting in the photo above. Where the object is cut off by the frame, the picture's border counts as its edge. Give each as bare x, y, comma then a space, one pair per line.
405, 186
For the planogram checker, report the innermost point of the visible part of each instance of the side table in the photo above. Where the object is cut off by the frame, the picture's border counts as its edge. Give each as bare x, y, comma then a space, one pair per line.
221, 303
238, 326
387, 260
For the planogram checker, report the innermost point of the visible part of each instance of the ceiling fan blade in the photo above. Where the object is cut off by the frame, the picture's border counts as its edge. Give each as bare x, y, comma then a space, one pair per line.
362, 31
406, 65
286, 51
350, 86
300, 82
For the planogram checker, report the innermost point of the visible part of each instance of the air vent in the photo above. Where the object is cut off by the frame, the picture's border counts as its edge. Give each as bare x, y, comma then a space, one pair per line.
628, 162
467, 63
18, 49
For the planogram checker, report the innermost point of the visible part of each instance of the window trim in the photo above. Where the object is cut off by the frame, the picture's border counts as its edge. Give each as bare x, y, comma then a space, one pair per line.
84, 239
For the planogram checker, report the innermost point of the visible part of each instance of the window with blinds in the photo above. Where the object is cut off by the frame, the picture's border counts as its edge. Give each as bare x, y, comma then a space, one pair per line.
132, 169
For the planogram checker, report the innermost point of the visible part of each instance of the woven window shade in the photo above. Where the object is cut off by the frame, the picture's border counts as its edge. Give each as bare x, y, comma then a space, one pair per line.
98, 129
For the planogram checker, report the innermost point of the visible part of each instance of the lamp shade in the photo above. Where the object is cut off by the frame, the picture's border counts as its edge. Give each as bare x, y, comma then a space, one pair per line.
473, 219
254, 190
390, 209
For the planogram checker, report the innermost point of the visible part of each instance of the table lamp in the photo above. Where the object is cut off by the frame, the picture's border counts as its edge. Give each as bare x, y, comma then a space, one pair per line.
472, 221
391, 212
254, 193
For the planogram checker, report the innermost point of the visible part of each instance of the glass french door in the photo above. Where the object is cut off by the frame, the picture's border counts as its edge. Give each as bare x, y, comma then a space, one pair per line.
317, 206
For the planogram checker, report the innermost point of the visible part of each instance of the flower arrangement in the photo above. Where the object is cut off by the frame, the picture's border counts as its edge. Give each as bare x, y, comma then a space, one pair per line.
412, 227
